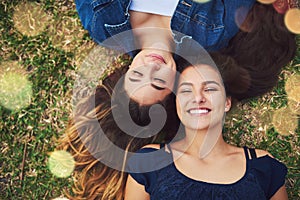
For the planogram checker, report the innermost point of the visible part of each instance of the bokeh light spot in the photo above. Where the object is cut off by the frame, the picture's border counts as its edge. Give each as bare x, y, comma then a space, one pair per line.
15, 88
240, 16
67, 33
292, 20
294, 106
284, 121
30, 19
266, 1
265, 117
292, 87
201, 1
61, 163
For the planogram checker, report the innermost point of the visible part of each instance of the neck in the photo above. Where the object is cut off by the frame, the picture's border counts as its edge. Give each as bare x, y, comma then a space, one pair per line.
151, 31
203, 143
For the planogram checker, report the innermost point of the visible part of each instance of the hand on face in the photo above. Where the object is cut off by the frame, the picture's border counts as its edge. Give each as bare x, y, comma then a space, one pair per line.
151, 76
201, 100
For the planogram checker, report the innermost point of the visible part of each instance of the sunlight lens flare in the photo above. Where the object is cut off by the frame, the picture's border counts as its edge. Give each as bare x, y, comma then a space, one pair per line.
292, 20
294, 106
240, 16
201, 1
61, 163
284, 121
15, 90
292, 87
30, 19
266, 1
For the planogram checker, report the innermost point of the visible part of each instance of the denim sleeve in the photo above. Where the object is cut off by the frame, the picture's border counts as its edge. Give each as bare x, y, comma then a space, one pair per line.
85, 10
104, 19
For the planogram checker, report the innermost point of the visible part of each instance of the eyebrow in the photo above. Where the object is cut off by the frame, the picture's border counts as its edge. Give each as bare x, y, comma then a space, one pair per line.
134, 80
203, 83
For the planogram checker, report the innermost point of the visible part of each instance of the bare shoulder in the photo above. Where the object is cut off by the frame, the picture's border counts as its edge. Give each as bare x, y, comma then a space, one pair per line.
261, 153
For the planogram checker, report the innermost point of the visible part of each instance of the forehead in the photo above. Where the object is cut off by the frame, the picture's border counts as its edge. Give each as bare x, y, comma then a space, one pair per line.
199, 74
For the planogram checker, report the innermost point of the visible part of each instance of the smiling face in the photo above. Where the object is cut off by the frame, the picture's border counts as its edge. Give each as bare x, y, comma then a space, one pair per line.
150, 77
201, 101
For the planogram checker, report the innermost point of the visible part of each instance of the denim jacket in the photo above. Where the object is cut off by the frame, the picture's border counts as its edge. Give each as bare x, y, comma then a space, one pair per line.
211, 24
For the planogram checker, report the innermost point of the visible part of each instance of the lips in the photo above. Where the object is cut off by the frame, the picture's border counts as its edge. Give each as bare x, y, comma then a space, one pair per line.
199, 111
157, 57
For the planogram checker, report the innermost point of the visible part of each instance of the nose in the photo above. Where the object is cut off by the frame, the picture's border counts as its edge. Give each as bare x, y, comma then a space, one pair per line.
154, 66
199, 98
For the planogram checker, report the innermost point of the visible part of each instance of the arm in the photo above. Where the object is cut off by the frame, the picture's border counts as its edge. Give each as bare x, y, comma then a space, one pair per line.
135, 191
281, 194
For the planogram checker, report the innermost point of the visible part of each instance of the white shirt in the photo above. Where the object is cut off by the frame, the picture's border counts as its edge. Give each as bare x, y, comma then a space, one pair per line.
159, 7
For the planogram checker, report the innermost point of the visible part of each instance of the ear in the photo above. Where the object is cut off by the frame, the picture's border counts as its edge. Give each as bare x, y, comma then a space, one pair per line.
227, 104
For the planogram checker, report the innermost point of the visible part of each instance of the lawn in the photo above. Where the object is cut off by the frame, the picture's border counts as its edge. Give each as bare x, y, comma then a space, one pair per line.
42, 47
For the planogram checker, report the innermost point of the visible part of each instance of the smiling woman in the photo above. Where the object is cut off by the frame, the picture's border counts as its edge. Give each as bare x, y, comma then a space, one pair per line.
99, 145
224, 171
238, 29
156, 30
150, 77
201, 96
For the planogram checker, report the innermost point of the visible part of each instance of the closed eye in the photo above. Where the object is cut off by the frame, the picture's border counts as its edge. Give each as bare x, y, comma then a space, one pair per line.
137, 73
158, 80
134, 80
185, 91
210, 89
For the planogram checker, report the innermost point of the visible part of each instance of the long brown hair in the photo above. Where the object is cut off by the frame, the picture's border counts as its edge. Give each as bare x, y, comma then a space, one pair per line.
92, 178
261, 52
263, 48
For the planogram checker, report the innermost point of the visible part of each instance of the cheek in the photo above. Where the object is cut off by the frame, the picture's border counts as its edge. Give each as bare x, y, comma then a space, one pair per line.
137, 62
179, 108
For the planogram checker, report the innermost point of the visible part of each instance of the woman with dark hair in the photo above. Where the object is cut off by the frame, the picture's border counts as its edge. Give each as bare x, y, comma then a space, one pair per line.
261, 44
201, 165
263, 47
99, 144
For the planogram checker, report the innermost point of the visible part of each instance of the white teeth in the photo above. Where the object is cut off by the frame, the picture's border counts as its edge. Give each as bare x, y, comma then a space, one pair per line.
198, 111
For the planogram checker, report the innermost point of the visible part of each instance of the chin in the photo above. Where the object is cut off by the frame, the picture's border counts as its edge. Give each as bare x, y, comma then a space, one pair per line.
197, 127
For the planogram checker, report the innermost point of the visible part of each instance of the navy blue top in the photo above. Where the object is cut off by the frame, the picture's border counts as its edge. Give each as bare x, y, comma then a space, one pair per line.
263, 177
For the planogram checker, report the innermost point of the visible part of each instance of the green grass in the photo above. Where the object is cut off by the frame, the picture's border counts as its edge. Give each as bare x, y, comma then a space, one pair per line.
49, 60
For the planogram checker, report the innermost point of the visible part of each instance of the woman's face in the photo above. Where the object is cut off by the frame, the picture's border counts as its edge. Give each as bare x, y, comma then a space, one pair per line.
151, 76
201, 101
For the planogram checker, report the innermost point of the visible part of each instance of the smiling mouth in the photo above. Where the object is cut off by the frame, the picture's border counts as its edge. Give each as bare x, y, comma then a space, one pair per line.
199, 111
157, 57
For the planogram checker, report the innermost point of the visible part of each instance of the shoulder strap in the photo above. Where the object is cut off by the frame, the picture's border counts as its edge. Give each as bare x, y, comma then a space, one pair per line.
246, 152
162, 145
252, 153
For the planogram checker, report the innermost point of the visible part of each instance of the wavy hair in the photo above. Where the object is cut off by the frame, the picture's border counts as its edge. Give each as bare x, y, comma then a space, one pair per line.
249, 66
263, 48
92, 178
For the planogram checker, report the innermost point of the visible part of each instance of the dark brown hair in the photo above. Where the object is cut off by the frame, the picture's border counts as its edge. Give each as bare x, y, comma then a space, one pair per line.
93, 179
263, 48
